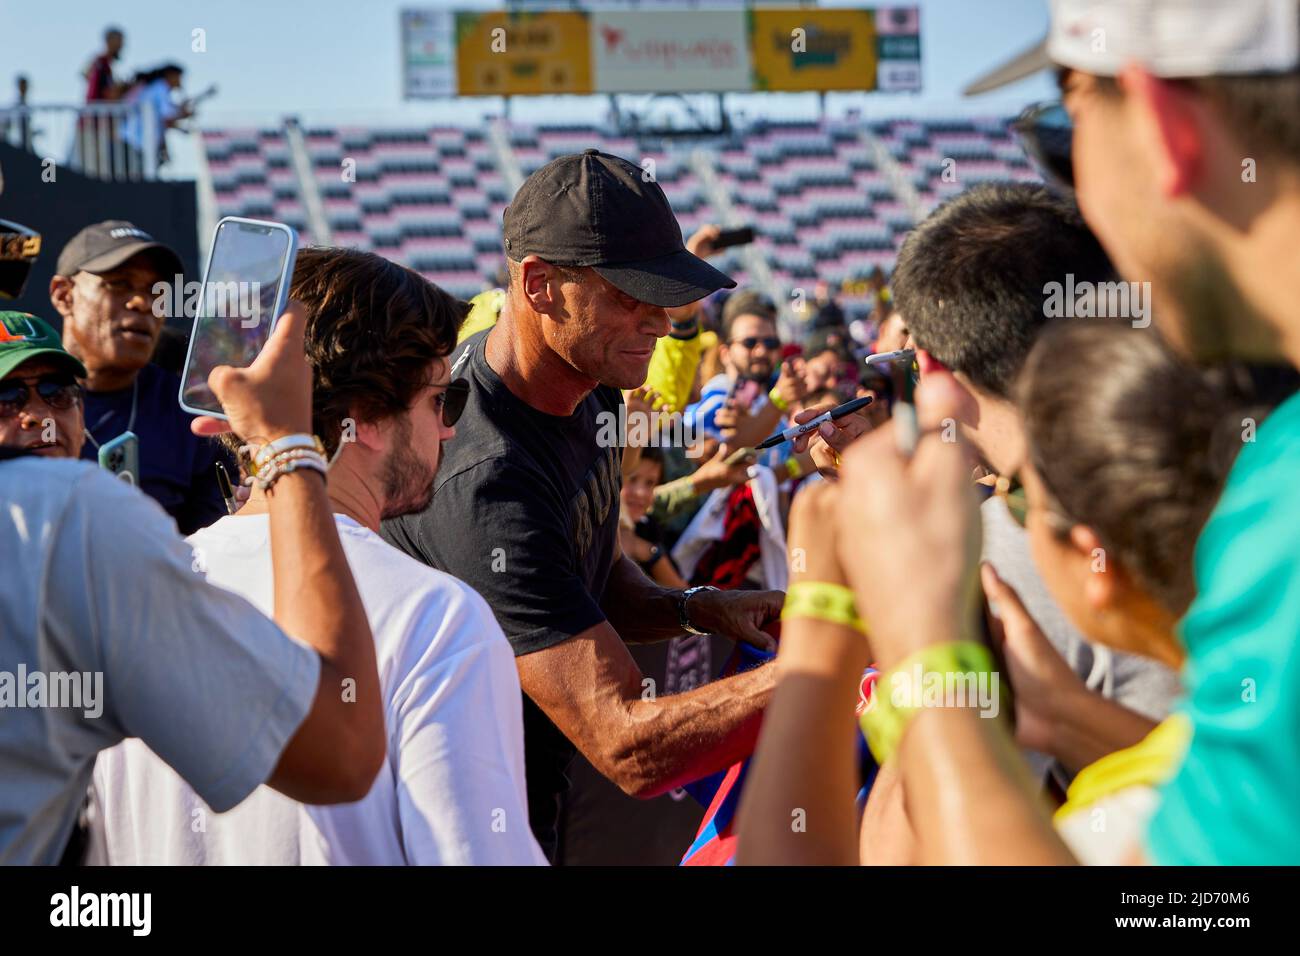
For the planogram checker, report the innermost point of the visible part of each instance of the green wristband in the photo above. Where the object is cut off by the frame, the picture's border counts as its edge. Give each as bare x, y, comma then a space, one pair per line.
885, 721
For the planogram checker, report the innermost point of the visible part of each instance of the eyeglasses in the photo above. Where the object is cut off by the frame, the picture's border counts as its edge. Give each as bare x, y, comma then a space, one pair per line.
57, 391
771, 343
451, 401
1012, 493
1047, 134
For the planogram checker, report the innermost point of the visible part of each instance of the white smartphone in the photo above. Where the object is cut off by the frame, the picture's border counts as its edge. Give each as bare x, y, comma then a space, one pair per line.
245, 289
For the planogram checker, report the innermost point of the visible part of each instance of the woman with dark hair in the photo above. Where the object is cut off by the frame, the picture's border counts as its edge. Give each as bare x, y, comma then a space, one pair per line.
1127, 452
1128, 449
153, 91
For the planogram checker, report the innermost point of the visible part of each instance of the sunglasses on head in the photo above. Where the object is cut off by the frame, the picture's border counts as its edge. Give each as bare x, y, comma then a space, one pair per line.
451, 401
1046, 132
59, 392
771, 343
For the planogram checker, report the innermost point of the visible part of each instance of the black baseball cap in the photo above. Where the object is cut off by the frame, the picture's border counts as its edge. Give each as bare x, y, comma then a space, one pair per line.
106, 245
594, 209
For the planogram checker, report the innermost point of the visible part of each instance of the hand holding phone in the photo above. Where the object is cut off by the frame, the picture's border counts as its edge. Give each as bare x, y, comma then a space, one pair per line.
245, 289
733, 237
272, 397
744, 392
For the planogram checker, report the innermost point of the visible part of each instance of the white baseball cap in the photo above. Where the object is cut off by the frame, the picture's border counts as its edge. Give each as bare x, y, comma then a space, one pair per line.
1169, 38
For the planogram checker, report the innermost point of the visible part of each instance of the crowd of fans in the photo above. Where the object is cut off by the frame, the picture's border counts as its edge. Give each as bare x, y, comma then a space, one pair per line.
1053, 561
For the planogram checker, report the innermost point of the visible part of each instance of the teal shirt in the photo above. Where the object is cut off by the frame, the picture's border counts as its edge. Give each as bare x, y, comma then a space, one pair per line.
1236, 798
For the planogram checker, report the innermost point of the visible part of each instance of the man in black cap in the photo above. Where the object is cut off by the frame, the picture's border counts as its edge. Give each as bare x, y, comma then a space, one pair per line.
525, 508
104, 287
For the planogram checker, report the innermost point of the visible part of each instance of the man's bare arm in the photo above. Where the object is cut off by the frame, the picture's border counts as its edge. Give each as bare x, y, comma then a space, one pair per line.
645, 743
640, 610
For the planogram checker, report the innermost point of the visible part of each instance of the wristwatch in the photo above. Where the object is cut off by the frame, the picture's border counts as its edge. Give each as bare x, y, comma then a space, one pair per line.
683, 618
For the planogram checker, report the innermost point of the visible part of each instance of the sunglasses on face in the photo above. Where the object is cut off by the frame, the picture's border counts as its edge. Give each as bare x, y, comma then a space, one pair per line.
1046, 132
59, 392
1012, 493
771, 343
451, 401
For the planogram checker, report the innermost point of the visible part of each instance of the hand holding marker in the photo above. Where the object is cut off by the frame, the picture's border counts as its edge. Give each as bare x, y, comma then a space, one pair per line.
839, 411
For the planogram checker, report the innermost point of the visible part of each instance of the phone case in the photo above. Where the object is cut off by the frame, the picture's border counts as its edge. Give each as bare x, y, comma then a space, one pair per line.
121, 456
281, 301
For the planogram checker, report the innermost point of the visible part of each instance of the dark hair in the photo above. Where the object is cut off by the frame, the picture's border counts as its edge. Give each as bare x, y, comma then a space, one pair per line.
1132, 442
745, 302
654, 455
514, 272
876, 380
829, 339
821, 395
157, 73
373, 328
972, 278
1263, 110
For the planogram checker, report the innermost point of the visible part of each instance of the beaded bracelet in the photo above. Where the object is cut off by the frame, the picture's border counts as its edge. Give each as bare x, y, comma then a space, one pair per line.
285, 443
287, 462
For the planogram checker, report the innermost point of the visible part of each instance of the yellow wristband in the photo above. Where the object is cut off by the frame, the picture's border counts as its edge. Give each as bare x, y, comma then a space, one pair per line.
901, 692
775, 398
822, 601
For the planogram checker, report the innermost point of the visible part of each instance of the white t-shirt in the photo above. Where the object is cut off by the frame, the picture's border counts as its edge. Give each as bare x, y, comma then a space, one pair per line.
452, 787
97, 584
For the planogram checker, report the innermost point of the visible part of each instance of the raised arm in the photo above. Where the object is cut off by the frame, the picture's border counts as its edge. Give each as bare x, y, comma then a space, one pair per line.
339, 747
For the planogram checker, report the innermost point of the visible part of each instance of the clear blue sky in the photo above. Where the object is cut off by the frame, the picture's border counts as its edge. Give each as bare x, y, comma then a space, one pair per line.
341, 57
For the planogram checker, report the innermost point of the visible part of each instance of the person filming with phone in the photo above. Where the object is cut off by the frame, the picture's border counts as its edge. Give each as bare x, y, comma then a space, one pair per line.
745, 404
101, 584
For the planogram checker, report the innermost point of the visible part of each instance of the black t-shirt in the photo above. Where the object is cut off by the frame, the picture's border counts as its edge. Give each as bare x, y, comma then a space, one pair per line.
525, 510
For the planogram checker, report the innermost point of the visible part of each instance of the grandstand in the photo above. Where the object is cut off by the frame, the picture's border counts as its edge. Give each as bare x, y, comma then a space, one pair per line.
830, 199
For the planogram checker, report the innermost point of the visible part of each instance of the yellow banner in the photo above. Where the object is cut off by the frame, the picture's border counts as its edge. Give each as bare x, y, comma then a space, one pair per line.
502, 54
813, 49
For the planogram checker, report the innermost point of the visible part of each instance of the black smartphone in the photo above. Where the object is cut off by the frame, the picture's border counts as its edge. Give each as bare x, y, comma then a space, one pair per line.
734, 237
